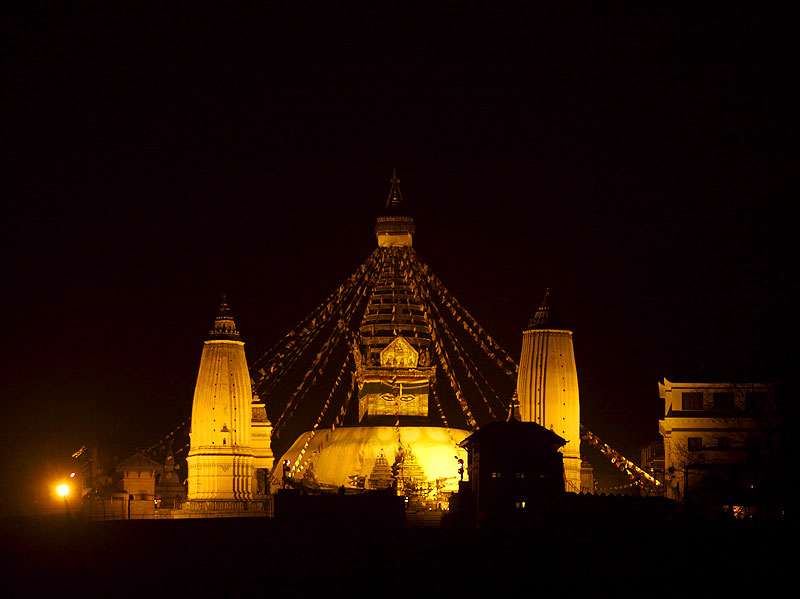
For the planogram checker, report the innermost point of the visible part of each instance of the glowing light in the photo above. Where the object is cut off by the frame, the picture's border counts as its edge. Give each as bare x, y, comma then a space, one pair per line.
62, 490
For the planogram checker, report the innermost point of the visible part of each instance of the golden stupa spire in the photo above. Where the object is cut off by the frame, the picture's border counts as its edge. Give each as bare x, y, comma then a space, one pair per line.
395, 226
395, 198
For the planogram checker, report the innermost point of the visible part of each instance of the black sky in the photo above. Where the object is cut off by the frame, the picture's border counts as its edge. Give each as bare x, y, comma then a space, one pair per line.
633, 160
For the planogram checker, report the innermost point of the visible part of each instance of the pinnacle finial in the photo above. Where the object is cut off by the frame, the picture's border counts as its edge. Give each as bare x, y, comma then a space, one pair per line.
224, 322
395, 197
543, 317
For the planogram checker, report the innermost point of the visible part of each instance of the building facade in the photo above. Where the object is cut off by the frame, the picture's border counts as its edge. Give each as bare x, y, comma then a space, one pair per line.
720, 441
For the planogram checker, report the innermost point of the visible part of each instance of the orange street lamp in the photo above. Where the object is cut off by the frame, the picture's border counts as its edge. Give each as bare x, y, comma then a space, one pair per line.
63, 490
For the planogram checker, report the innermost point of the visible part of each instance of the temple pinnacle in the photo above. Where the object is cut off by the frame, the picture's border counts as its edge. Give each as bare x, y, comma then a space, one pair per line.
395, 198
543, 316
224, 323
395, 227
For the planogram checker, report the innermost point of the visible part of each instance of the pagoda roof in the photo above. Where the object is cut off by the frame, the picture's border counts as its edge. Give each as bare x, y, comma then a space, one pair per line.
513, 430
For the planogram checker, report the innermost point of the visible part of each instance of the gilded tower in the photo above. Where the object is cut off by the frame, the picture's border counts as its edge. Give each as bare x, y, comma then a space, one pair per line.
547, 386
393, 366
230, 434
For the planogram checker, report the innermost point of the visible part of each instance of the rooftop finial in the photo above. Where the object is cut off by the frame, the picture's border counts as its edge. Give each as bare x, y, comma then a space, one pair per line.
543, 317
395, 198
224, 323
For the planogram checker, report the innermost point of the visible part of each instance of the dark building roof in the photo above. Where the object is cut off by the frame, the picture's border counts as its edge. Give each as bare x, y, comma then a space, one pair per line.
513, 431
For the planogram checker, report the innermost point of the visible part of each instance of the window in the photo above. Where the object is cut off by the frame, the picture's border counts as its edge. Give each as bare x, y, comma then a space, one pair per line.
695, 443
692, 400
723, 401
723, 443
755, 401
520, 504
497, 475
519, 475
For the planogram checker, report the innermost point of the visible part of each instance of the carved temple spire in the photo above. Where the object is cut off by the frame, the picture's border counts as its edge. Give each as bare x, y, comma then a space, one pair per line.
547, 384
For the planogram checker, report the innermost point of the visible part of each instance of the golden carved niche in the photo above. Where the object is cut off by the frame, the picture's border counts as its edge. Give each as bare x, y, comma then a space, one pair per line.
399, 354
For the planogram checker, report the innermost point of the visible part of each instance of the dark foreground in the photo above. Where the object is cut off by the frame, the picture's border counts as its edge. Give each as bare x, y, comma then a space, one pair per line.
266, 558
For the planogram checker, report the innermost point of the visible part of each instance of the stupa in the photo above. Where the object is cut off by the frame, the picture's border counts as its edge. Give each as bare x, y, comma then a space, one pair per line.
393, 373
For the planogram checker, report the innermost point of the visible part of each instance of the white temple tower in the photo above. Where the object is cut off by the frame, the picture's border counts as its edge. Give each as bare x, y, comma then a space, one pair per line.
230, 434
547, 386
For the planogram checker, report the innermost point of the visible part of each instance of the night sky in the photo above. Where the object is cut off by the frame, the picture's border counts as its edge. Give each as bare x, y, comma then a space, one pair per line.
633, 161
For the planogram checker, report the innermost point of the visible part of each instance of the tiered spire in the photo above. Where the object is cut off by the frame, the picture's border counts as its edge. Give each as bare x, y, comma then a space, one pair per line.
380, 325
225, 323
395, 226
394, 200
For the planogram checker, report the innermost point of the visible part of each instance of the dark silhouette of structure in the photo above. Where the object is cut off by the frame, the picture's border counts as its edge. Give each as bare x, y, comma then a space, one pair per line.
516, 474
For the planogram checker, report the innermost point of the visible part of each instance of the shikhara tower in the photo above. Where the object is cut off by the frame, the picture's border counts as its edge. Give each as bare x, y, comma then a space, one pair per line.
547, 386
229, 450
